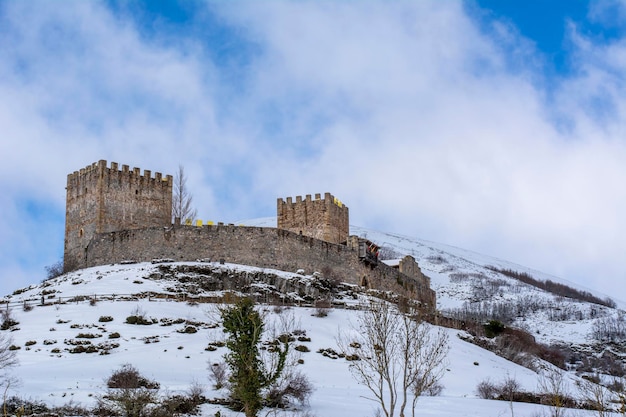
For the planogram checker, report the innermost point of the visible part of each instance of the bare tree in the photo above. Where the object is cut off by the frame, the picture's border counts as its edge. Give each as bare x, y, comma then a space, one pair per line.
508, 390
395, 356
7, 356
182, 199
554, 387
427, 352
7, 361
595, 396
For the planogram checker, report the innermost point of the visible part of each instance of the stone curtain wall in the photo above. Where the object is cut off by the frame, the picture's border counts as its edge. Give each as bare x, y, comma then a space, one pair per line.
258, 246
322, 218
101, 199
114, 215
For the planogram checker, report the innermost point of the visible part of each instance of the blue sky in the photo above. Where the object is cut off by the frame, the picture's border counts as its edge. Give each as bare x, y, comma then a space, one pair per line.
497, 126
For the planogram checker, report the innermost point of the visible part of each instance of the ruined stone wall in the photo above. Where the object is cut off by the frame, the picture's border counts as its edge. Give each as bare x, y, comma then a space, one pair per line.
101, 199
258, 246
409, 267
322, 218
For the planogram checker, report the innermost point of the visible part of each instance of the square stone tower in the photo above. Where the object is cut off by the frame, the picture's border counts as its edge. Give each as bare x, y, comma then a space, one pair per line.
322, 218
101, 199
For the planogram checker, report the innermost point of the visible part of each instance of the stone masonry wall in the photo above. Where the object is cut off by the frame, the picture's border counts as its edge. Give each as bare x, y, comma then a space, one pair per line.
101, 199
409, 267
322, 218
262, 247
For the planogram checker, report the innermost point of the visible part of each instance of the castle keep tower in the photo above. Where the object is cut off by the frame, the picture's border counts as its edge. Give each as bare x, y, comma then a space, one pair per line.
323, 218
102, 199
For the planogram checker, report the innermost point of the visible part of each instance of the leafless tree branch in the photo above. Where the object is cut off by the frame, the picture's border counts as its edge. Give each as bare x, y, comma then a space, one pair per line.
182, 199
395, 356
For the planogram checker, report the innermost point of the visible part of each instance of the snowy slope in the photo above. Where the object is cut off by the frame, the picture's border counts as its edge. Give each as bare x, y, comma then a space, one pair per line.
456, 274
49, 372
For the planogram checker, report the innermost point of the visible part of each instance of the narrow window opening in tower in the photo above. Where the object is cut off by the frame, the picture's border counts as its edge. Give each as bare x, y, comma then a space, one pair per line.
81, 232
136, 192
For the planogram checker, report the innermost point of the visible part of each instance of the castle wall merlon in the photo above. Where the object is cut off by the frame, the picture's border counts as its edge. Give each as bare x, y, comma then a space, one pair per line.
84, 180
114, 172
309, 198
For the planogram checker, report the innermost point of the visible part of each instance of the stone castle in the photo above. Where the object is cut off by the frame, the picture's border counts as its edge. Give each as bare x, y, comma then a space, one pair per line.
118, 215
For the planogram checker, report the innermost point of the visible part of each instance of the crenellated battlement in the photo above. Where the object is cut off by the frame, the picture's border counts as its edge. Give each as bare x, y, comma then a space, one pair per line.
328, 197
80, 181
101, 166
322, 218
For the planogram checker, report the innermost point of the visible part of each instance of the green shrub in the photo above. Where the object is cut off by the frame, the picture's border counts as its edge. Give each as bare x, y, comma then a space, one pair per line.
189, 330
493, 328
104, 319
8, 323
114, 335
138, 320
128, 377
84, 349
88, 336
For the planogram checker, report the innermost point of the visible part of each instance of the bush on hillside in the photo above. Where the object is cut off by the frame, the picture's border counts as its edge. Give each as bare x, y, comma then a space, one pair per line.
54, 270
129, 377
493, 328
138, 316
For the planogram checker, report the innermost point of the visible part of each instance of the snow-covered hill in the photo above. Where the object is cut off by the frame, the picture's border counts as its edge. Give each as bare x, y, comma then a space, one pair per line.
92, 305
461, 277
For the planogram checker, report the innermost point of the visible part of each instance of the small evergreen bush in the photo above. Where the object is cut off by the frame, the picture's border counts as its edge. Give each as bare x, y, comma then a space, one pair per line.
493, 328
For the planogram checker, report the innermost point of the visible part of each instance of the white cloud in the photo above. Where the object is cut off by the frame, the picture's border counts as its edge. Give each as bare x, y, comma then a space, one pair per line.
428, 129
419, 120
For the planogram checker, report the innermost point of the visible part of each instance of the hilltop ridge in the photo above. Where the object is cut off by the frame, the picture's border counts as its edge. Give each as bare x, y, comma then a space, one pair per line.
174, 295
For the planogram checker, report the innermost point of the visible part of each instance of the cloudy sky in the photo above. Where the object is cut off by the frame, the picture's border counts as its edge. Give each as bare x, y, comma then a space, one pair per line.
496, 126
